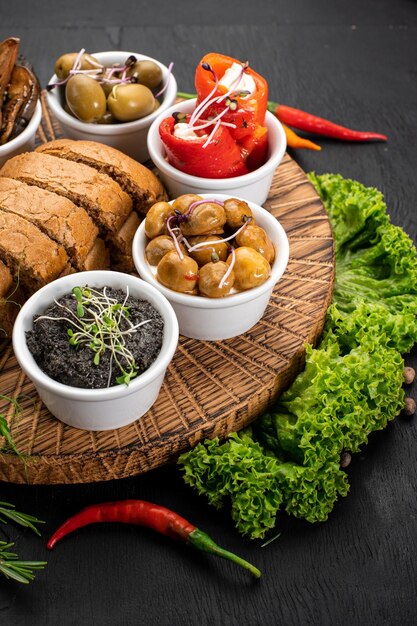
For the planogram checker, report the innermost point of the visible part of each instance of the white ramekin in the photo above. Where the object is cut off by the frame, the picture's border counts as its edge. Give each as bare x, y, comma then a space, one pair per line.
96, 409
253, 186
25, 142
129, 137
214, 319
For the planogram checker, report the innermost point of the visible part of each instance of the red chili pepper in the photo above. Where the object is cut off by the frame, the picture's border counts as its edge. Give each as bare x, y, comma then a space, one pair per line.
153, 516
221, 158
318, 125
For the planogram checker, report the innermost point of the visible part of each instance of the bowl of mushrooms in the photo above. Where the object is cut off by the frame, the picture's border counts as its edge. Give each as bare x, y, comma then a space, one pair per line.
217, 260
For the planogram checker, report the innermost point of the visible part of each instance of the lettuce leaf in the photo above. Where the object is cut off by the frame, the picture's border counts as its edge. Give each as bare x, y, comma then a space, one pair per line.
351, 385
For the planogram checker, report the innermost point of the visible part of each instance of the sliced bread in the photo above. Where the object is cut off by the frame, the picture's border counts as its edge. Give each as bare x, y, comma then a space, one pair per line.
103, 199
54, 215
29, 254
137, 180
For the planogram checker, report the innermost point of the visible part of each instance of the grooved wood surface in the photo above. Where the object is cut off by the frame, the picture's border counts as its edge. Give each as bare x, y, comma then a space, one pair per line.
211, 388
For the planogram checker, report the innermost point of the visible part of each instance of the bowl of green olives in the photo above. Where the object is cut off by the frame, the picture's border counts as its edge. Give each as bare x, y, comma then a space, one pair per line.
216, 259
110, 97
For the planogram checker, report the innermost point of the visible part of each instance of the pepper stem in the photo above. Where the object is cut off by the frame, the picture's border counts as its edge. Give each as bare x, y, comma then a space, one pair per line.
198, 539
186, 96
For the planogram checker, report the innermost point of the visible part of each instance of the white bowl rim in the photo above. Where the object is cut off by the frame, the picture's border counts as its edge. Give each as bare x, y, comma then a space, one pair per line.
30, 129
217, 183
121, 128
200, 302
39, 377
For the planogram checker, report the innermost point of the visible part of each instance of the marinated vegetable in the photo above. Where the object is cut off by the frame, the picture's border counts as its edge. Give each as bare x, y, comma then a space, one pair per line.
19, 91
130, 102
95, 93
225, 135
195, 250
85, 98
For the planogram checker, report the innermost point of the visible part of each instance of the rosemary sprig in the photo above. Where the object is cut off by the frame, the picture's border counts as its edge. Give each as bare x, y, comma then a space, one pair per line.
8, 511
12, 567
10, 564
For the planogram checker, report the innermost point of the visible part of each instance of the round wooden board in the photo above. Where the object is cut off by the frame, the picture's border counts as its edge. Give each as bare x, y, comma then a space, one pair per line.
211, 388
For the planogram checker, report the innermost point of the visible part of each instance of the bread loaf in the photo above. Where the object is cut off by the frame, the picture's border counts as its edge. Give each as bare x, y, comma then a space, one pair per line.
101, 197
54, 215
67, 207
135, 179
30, 255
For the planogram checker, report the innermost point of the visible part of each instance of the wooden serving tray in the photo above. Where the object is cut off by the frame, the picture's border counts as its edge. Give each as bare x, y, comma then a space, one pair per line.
211, 388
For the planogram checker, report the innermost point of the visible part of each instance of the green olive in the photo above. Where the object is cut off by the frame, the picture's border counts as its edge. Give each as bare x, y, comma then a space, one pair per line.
85, 98
146, 73
130, 102
65, 63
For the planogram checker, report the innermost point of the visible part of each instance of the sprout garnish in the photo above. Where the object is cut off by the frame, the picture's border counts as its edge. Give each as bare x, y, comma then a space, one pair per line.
178, 217
97, 324
227, 98
100, 76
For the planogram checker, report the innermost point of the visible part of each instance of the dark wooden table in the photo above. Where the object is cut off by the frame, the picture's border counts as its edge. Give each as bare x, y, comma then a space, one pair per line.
352, 61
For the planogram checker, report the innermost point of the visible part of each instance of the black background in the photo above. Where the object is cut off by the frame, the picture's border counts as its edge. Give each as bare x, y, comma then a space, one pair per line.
354, 62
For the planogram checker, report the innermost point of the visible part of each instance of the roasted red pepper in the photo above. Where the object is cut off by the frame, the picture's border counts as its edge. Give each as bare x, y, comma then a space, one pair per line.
221, 158
158, 518
249, 111
246, 112
318, 125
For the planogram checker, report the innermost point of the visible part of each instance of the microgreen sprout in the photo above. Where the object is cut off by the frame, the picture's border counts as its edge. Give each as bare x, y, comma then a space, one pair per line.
230, 103
102, 323
232, 262
100, 75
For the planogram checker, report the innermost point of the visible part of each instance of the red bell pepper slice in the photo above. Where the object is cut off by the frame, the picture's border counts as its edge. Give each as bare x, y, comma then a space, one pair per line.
250, 110
221, 158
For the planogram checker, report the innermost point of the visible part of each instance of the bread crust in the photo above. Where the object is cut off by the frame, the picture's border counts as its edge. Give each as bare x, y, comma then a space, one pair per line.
54, 215
28, 253
103, 199
136, 179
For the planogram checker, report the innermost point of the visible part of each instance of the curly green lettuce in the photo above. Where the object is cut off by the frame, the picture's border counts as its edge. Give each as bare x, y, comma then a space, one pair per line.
350, 387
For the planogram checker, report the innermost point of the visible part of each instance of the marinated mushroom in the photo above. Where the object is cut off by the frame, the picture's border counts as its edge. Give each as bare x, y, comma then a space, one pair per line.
176, 273
158, 247
210, 280
253, 236
206, 218
156, 219
251, 269
183, 203
237, 212
205, 253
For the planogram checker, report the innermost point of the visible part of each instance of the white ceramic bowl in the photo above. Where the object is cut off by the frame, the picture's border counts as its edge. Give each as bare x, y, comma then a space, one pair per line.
253, 186
96, 409
213, 319
25, 141
128, 137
